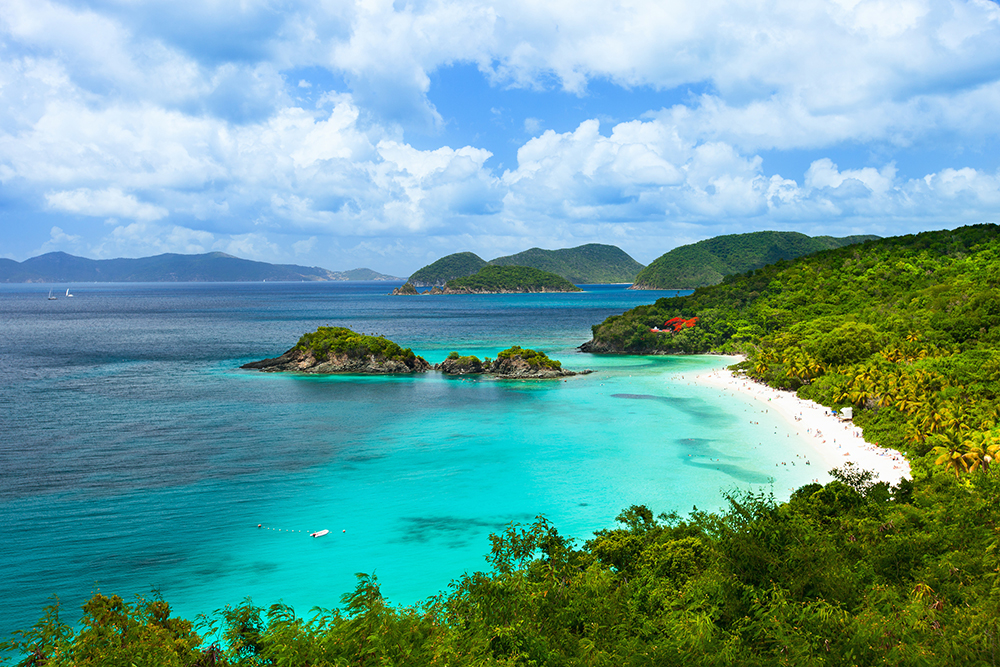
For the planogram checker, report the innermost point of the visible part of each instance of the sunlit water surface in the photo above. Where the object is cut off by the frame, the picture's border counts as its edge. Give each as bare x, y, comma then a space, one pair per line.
136, 455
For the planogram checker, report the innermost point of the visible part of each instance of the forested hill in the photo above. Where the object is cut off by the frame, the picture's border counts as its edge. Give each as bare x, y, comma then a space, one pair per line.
706, 262
59, 267
509, 279
456, 265
587, 264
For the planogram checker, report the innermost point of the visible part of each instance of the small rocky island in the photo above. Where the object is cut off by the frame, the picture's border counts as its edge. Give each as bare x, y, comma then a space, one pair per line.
512, 363
340, 350
498, 280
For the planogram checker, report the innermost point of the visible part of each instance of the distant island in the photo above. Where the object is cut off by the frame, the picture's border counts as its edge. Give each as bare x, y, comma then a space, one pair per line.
60, 267
340, 350
498, 280
706, 262
587, 264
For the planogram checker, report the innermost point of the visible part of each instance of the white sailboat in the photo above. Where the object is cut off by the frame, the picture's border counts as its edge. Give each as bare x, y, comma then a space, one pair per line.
51, 296
67, 293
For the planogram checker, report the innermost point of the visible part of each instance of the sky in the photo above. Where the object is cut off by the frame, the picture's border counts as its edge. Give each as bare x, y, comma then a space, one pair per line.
386, 134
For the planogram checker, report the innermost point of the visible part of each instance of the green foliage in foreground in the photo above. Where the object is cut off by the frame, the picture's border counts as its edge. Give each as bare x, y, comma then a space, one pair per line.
533, 358
327, 341
707, 262
512, 279
850, 573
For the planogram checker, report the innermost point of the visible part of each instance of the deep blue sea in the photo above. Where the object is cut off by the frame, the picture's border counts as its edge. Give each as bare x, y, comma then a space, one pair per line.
136, 455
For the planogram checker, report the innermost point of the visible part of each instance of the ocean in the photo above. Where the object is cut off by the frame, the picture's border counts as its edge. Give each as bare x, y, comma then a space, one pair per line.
137, 456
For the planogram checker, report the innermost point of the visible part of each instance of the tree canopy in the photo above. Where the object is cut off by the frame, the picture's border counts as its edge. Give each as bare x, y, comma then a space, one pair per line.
511, 279
707, 262
326, 341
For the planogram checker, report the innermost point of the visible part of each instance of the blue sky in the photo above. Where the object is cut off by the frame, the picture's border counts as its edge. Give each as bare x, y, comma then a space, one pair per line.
387, 134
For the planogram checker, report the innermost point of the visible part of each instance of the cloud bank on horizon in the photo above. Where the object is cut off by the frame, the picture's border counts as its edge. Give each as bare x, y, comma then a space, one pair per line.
387, 134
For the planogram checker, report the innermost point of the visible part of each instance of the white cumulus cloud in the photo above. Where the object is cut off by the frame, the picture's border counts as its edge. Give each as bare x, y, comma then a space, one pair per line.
101, 203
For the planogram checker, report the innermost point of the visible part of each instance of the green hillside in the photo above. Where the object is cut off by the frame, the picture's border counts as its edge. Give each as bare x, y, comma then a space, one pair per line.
706, 262
491, 279
587, 264
456, 265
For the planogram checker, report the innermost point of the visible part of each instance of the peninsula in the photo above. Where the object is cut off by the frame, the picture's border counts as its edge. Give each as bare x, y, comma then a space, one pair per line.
340, 350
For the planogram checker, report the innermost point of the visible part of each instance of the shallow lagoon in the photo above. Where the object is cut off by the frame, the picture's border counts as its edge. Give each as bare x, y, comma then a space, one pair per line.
137, 455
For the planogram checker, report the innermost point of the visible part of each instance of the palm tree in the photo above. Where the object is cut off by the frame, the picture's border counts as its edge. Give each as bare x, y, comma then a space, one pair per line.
950, 451
981, 448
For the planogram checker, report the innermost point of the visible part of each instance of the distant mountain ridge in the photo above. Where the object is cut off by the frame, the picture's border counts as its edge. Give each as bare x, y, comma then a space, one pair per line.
706, 262
587, 264
60, 267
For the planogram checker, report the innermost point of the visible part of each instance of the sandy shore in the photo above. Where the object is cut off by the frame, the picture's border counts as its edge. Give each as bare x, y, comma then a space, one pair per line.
837, 442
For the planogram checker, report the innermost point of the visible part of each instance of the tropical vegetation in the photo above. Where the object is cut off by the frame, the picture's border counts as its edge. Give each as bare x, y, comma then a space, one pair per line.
707, 262
533, 358
336, 341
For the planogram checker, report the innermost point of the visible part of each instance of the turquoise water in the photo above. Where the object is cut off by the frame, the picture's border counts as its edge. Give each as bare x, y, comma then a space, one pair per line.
138, 455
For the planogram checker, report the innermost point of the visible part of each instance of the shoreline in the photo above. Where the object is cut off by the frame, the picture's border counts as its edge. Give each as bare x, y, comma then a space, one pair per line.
836, 442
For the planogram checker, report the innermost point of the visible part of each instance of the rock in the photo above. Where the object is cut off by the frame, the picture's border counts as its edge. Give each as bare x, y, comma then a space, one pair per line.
304, 362
518, 368
597, 347
406, 289
460, 366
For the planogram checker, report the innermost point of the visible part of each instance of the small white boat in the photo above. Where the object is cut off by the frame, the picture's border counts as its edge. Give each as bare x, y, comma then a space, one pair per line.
319, 533
67, 293
51, 296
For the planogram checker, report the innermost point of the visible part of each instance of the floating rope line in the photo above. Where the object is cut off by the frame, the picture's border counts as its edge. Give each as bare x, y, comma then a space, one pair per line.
318, 533
280, 530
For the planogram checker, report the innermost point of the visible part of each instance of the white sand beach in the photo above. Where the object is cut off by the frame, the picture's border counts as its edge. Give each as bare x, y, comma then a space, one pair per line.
836, 441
